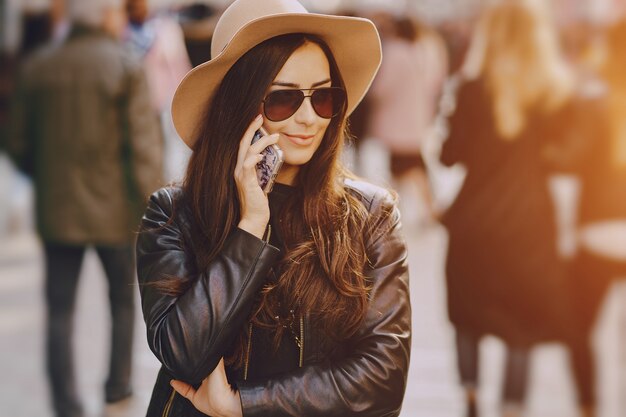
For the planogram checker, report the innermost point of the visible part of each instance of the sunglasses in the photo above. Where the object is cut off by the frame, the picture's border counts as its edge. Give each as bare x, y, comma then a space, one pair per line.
327, 102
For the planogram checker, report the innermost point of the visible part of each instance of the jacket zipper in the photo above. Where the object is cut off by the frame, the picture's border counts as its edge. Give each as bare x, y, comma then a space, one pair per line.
249, 345
168, 404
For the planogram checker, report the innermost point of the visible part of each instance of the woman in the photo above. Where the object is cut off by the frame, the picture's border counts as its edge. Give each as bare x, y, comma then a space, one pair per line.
292, 303
403, 101
600, 260
504, 276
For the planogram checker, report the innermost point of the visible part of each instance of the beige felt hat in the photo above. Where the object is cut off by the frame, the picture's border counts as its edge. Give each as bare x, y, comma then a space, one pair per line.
354, 42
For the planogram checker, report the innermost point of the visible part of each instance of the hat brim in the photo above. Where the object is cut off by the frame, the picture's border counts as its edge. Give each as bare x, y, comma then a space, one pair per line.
354, 42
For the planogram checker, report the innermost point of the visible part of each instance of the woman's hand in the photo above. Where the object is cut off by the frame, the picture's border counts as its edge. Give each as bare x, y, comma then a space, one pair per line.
255, 211
214, 397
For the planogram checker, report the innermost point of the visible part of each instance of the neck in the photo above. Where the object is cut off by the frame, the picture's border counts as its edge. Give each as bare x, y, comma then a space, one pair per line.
287, 174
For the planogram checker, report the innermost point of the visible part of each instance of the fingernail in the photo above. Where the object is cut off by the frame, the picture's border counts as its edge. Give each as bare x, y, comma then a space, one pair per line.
172, 383
259, 117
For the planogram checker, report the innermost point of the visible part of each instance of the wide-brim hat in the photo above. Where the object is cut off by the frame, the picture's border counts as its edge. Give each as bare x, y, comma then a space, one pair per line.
354, 42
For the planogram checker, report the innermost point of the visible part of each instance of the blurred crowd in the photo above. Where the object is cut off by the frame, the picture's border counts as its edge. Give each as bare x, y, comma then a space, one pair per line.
516, 93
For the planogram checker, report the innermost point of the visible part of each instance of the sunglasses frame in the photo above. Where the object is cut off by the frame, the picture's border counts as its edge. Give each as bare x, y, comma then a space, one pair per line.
304, 96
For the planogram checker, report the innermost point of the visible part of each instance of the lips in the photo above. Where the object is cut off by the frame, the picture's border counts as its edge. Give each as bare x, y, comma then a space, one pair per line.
299, 139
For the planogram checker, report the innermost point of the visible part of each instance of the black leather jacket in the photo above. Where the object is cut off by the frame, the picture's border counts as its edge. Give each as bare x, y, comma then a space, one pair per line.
189, 334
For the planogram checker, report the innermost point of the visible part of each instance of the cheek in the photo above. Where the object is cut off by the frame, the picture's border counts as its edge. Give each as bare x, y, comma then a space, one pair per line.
324, 123
273, 127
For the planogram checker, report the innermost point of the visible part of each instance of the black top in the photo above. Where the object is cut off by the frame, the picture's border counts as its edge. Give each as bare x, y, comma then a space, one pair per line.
265, 360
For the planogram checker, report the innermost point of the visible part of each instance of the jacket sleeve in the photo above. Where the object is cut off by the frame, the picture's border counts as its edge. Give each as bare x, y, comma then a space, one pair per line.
144, 135
190, 333
371, 380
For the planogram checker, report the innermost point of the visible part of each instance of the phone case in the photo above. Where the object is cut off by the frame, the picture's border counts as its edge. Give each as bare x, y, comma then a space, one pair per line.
268, 167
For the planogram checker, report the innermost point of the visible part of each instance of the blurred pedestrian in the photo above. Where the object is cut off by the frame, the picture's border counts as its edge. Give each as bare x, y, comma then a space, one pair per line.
358, 121
83, 128
157, 39
601, 256
403, 102
198, 23
36, 31
504, 276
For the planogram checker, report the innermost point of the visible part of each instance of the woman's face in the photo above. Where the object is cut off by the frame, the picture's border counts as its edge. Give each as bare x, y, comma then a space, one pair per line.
302, 133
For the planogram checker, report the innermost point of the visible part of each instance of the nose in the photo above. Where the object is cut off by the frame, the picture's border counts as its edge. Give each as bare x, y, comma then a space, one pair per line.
305, 114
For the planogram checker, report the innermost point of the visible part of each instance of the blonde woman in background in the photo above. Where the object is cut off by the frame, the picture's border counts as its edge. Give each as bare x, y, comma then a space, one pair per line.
504, 275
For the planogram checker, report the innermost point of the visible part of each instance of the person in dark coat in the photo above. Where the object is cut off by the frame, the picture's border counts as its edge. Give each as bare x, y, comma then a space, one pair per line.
600, 259
504, 275
83, 129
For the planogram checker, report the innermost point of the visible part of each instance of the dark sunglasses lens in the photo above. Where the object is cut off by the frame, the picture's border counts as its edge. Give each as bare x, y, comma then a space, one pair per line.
328, 102
282, 104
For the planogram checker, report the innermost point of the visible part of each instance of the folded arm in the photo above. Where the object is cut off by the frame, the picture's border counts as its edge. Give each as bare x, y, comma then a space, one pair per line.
190, 333
371, 380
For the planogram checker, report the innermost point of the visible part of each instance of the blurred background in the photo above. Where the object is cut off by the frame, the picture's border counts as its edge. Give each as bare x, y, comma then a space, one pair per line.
509, 118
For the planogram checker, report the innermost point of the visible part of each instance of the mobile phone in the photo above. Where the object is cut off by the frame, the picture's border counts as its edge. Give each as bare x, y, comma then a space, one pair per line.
268, 167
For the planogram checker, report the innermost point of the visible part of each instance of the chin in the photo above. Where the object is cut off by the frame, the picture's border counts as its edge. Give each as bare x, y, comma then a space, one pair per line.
297, 160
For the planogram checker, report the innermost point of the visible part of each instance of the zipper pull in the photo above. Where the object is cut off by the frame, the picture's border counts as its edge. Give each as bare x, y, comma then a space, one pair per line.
268, 233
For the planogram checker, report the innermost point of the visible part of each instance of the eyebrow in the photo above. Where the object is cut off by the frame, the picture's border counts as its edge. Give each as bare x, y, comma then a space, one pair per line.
286, 84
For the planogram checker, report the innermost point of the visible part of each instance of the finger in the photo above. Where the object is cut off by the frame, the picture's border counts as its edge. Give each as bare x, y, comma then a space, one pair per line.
263, 143
244, 144
247, 168
183, 389
251, 161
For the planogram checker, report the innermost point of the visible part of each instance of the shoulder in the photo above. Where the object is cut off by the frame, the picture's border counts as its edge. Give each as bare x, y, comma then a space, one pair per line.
129, 59
167, 196
39, 60
109, 53
166, 211
376, 199
383, 223
165, 201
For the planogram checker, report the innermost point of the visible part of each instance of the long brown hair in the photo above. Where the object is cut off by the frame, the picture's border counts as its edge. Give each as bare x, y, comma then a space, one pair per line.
323, 224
